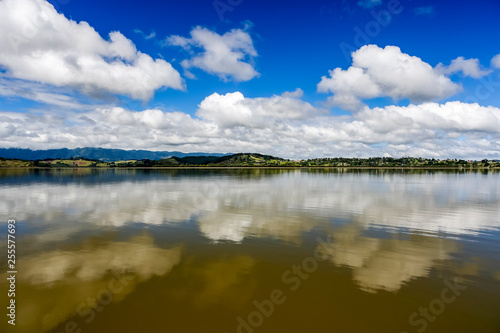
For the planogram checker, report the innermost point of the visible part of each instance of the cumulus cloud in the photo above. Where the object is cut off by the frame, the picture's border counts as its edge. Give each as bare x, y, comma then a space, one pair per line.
449, 117
233, 109
495, 62
468, 67
39, 44
282, 125
369, 3
228, 56
105, 127
385, 72
349, 86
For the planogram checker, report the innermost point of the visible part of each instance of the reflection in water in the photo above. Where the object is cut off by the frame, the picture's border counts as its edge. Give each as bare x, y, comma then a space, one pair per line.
227, 281
458, 204
227, 226
56, 283
282, 207
386, 263
390, 231
138, 255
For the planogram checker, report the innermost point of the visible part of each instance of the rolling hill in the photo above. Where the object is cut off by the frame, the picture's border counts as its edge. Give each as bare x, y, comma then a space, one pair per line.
102, 154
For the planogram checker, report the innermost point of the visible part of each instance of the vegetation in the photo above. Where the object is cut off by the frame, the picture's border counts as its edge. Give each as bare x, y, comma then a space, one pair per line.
411, 162
15, 163
254, 160
91, 153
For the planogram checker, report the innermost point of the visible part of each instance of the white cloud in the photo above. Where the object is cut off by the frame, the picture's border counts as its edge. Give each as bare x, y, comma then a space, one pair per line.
282, 125
147, 37
349, 86
495, 62
451, 117
377, 72
228, 56
369, 3
468, 67
15, 89
39, 44
233, 109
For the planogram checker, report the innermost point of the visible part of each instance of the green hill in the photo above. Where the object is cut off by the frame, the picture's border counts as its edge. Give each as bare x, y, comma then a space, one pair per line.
14, 163
248, 160
230, 160
91, 153
197, 160
253, 160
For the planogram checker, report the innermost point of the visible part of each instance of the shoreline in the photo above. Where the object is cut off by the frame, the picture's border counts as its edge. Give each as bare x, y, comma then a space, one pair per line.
253, 167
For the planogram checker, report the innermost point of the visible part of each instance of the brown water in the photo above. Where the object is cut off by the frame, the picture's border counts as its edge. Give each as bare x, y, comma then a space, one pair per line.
253, 250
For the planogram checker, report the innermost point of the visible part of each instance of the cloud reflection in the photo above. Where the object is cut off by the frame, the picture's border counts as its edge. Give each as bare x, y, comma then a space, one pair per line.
54, 284
386, 264
227, 281
282, 206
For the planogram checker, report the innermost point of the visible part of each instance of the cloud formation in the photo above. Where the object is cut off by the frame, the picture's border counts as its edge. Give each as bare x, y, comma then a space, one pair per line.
227, 56
39, 44
385, 72
233, 109
468, 67
282, 125
146, 36
495, 62
14, 88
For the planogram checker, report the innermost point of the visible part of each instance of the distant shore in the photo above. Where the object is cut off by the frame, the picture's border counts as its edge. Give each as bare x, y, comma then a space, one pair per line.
254, 160
254, 167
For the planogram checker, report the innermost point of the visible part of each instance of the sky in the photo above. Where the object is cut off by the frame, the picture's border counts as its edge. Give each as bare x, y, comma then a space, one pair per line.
295, 79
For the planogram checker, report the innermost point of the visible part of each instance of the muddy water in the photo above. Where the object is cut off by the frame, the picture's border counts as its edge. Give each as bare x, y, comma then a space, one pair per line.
253, 250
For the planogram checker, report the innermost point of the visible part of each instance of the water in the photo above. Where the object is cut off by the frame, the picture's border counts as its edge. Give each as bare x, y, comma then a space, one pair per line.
253, 250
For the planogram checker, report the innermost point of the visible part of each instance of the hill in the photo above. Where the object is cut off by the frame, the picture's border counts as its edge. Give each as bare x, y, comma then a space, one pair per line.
101, 154
253, 160
241, 159
248, 160
15, 163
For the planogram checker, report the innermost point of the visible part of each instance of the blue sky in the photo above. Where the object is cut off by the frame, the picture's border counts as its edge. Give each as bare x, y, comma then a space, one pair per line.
241, 75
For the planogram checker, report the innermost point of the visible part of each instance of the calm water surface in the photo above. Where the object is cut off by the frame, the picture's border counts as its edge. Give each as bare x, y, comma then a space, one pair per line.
253, 250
